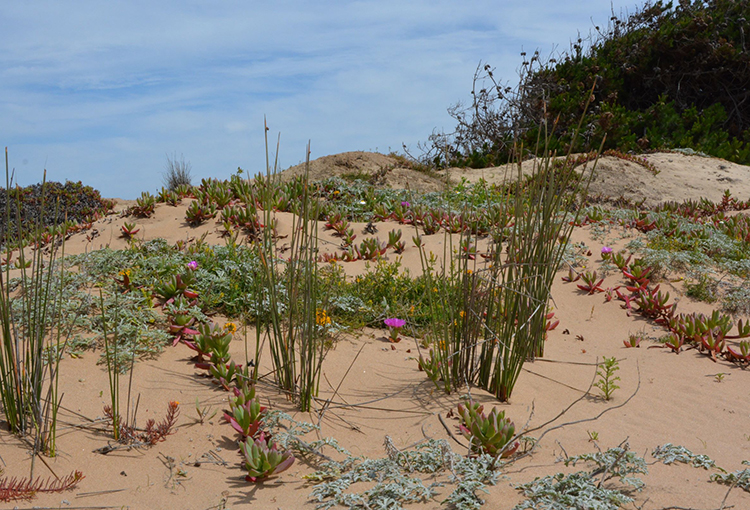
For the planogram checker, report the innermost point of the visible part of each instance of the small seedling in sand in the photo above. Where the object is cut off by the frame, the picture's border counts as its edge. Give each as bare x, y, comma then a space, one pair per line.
222, 373
527, 443
607, 377
634, 339
593, 435
204, 413
720, 377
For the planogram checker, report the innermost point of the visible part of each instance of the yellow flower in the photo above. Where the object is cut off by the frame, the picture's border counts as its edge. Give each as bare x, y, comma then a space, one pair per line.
231, 327
462, 314
469, 272
322, 318
124, 272
434, 289
411, 310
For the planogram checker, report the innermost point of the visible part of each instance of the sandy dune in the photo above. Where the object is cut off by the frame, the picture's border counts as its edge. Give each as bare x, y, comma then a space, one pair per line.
663, 397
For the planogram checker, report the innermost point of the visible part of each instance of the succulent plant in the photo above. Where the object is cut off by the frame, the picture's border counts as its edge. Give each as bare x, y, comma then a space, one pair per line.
572, 275
128, 230
216, 339
245, 416
591, 284
197, 213
741, 353
145, 205
263, 460
490, 434
223, 373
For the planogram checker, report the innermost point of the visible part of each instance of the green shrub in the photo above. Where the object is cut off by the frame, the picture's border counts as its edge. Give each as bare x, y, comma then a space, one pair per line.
664, 76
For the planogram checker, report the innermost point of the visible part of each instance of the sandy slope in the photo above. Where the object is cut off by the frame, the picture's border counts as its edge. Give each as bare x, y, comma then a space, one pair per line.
681, 177
675, 398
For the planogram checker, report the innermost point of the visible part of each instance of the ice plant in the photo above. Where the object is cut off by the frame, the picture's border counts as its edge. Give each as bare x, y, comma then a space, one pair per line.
192, 265
606, 253
490, 434
128, 230
245, 416
263, 460
573, 276
394, 325
591, 284
741, 353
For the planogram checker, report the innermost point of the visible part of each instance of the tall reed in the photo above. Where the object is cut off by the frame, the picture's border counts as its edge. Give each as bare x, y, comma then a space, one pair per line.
522, 282
291, 286
31, 335
487, 323
454, 301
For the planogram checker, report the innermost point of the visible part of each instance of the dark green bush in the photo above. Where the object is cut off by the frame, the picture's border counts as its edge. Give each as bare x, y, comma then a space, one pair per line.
77, 204
665, 76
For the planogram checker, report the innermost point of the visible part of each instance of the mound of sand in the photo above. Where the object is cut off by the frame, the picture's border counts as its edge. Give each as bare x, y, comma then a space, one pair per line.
680, 176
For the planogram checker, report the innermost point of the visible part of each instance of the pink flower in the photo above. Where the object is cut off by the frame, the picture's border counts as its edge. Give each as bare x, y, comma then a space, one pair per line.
192, 265
395, 323
405, 204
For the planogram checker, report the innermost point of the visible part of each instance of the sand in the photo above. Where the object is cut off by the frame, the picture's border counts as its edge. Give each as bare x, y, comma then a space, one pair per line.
663, 397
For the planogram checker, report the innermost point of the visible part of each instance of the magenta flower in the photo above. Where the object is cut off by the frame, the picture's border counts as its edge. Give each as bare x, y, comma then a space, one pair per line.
395, 326
395, 323
405, 204
606, 252
192, 265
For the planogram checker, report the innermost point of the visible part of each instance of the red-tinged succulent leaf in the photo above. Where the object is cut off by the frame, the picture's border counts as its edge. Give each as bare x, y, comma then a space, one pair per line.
731, 355
233, 423
175, 328
508, 451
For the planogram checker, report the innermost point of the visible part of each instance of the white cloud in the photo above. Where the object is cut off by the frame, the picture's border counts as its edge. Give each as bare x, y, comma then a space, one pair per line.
102, 90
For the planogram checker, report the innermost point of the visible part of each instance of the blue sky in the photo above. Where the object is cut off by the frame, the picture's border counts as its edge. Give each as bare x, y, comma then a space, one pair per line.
101, 92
